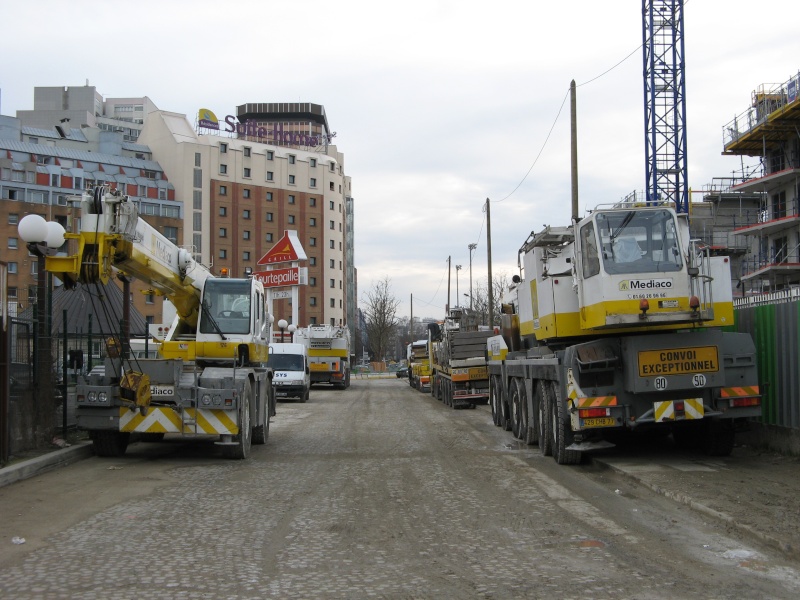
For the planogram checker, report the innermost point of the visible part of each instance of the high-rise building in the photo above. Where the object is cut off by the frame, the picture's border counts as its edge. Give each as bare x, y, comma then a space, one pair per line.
247, 179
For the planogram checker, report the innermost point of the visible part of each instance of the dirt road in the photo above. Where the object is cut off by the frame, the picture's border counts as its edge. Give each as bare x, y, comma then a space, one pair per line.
373, 492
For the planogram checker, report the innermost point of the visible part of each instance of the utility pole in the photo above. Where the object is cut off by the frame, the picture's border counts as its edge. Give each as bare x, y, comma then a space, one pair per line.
489, 256
411, 321
471, 250
458, 268
447, 308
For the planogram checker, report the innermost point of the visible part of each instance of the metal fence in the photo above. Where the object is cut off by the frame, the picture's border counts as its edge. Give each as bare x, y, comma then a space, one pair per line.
775, 329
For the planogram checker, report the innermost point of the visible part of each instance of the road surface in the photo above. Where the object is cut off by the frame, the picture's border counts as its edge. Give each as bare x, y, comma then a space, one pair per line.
373, 492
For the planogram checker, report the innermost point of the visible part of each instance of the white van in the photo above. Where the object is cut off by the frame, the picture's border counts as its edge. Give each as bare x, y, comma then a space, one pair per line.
291, 374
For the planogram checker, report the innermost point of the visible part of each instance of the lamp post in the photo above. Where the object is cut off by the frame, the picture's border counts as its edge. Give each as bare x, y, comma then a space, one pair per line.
458, 268
292, 328
471, 250
282, 324
42, 238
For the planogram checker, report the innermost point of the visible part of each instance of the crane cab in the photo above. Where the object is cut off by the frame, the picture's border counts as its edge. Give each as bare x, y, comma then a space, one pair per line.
623, 268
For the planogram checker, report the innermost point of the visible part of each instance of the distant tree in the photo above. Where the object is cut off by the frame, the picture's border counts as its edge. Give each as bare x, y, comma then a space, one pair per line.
480, 297
380, 310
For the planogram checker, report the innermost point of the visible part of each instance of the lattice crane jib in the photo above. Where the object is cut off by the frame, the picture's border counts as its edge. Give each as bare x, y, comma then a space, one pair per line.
665, 103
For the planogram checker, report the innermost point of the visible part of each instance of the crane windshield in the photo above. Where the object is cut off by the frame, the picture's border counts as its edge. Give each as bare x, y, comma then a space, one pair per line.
639, 241
226, 304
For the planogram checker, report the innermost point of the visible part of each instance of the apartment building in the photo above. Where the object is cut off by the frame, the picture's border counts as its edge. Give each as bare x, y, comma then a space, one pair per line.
246, 179
41, 169
769, 129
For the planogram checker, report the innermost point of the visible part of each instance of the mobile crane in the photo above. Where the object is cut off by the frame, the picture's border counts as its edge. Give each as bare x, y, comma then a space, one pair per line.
211, 377
328, 353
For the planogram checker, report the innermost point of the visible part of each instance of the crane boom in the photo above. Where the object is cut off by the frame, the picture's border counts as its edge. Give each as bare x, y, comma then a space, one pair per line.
112, 236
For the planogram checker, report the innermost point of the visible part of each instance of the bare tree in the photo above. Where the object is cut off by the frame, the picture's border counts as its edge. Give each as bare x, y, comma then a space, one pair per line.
480, 297
380, 310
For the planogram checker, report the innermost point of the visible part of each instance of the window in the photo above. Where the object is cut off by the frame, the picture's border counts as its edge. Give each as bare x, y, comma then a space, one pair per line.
197, 178
246, 214
313, 182
333, 283
247, 172
291, 159
330, 204
197, 221
270, 155
171, 233
312, 241
12, 268
223, 170
291, 199
55, 180
331, 245
13, 219
589, 255
245, 235
34, 267
223, 148
332, 263
246, 193
269, 196
313, 321
291, 219
13, 243
291, 179
246, 255
312, 163
197, 157
333, 168
333, 225
312, 201
340, 265
12, 291
270, 176
223, 232
312, 281
223, 253
149, 299
269, 237
269, 216
331, 186
247, 151
77, 183
223, 190
313, 300
223, 211
333, 303
312, 221
312, 260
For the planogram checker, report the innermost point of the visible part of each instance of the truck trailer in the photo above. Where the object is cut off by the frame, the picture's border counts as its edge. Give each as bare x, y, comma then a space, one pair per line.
328, 353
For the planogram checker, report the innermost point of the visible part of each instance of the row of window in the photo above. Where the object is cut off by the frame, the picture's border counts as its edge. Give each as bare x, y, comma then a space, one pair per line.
292, 158
270, 217
246, 173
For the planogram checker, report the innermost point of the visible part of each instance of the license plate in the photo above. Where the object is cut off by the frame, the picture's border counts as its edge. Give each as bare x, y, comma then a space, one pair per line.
599, 422
281, 394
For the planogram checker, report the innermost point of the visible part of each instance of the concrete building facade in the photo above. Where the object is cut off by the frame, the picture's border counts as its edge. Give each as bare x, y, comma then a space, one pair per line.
242, 192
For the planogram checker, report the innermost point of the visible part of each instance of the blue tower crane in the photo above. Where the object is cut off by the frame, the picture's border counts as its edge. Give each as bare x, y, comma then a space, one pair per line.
665, 103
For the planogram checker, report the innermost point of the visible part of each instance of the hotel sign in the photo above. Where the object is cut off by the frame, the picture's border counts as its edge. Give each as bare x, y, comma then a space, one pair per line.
283, 277
208, 120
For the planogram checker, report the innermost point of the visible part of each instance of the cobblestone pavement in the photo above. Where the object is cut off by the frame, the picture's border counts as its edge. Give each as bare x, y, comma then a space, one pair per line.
373, 492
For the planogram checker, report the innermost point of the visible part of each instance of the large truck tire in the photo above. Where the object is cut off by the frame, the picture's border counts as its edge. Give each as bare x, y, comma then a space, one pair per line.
543, 418
109, 444
719, 437
495, 399
562, 432
518, 426
241, 449
261, 431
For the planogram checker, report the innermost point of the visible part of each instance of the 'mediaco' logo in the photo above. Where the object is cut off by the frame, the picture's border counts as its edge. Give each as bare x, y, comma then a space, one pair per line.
631, 285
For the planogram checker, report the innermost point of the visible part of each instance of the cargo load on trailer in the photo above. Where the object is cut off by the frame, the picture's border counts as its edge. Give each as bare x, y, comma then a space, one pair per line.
458, 360
419, 365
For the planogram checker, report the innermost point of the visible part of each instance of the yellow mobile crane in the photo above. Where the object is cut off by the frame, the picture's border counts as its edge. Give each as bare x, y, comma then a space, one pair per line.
211, 377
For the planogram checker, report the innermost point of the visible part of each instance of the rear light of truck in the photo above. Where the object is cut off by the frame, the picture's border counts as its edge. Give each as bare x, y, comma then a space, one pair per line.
739, 402
588, 413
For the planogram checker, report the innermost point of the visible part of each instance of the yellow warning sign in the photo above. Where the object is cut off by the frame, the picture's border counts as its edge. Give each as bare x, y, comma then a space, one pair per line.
678, 361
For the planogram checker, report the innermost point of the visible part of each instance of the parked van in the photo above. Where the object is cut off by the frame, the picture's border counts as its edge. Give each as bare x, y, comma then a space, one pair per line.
291, 374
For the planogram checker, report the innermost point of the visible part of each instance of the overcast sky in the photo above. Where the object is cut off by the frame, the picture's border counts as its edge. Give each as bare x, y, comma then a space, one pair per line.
437, 105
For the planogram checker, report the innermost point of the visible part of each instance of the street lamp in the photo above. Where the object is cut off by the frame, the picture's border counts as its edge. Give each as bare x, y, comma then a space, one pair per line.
458, 268
282, 324
42, 238
471, 250
292, 328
